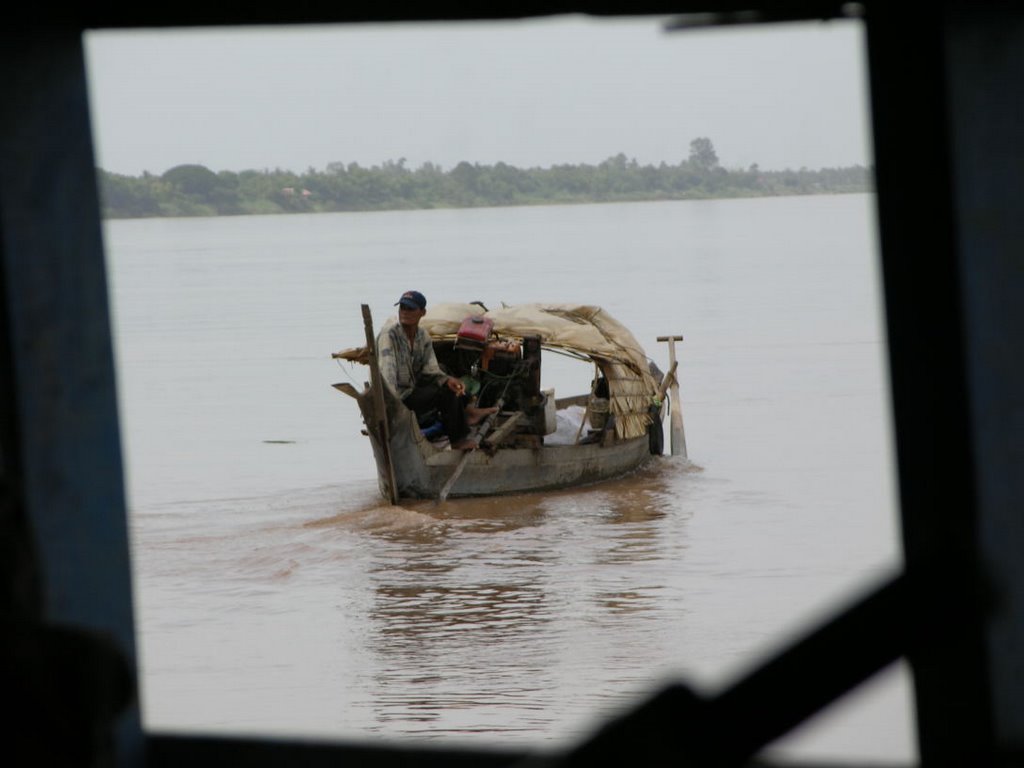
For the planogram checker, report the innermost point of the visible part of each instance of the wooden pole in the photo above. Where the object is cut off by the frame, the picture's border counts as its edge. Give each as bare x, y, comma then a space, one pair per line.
678, 435
666, 381
379, 407
586, 411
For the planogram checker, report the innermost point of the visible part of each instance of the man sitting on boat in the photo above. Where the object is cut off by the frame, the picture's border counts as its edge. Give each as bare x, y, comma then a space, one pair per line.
409, 369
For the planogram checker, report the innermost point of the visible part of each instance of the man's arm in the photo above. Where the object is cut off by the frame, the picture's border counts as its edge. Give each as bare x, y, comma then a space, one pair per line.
431, 368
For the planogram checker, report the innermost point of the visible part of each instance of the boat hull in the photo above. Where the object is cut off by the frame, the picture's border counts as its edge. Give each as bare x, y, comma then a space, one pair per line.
422, 470
410, 466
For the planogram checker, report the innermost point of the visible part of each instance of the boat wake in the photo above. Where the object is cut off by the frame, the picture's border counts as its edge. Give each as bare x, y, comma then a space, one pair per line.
377, 519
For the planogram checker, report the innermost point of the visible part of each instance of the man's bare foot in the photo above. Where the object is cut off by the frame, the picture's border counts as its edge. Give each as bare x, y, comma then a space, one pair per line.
475, 415
465, 444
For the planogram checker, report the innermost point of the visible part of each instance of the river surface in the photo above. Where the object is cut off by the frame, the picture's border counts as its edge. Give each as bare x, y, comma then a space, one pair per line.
276, 591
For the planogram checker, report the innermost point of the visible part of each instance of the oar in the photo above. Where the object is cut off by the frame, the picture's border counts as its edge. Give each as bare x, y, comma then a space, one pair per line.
678, 435
656, 437
667, 381
482, 430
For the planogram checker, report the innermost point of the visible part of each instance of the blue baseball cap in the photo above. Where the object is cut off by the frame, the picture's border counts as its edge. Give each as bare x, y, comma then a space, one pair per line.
412, 300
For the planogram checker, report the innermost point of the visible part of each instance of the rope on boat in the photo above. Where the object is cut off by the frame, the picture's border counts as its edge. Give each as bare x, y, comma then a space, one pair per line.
347, 371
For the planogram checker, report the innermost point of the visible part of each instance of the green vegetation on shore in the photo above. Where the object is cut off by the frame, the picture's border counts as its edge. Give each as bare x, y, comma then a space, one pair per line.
194, 190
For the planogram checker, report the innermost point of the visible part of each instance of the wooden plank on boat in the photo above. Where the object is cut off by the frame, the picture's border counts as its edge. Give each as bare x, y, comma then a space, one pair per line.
348, 389
379, 408
562, 403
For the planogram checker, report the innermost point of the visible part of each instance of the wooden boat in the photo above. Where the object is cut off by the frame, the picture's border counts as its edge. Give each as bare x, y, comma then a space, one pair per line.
523, 446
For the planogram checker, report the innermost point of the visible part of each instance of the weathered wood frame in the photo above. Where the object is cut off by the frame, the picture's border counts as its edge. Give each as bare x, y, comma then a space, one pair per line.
948, 127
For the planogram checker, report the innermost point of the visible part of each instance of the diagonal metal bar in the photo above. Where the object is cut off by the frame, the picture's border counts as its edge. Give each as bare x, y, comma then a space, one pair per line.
678, 727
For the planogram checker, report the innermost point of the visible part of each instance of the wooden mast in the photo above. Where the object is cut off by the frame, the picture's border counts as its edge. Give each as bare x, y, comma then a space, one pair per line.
380, 411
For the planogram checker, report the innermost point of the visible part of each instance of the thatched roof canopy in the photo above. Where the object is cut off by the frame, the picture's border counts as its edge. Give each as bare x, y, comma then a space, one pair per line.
581, 328
584, 329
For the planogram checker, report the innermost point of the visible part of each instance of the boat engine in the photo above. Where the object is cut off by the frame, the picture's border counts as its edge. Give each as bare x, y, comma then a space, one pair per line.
502, 369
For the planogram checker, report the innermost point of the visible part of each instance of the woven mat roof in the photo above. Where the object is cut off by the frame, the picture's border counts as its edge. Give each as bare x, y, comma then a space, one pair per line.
582, 328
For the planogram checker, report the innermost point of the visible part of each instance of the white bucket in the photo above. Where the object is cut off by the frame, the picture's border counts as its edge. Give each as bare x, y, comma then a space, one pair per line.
550, 416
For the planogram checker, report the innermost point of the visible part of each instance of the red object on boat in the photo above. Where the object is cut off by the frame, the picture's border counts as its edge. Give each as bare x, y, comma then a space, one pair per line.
474, 332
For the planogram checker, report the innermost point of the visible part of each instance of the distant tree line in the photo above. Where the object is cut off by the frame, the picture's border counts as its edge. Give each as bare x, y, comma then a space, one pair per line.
194, 190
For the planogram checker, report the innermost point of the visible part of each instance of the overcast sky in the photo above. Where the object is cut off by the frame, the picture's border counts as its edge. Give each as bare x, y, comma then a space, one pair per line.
528, 93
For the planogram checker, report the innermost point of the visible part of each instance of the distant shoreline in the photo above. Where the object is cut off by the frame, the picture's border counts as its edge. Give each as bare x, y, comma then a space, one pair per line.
194, 190
112, 217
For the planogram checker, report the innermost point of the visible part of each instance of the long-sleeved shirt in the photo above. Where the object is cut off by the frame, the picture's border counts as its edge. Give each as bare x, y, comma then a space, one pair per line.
403, 365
